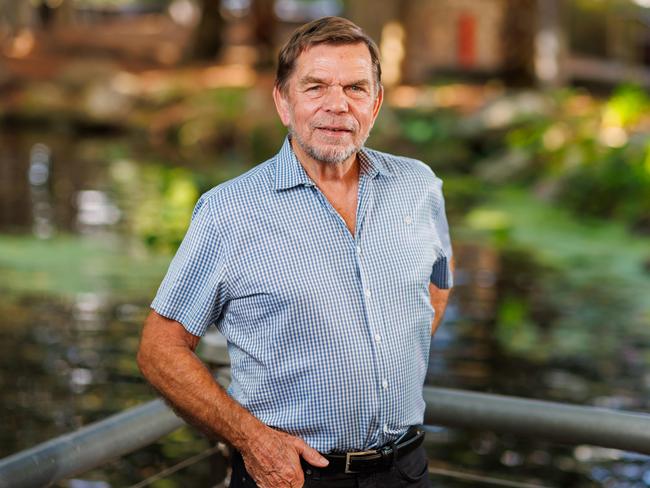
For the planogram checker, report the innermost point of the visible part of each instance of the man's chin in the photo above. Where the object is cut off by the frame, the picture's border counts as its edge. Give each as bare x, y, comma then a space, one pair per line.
332, 154
326, 150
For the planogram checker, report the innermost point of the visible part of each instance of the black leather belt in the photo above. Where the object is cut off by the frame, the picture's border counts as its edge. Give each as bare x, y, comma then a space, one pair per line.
376, 459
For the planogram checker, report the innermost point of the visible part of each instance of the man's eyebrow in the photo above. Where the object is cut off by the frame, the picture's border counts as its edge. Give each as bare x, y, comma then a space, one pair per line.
308, 80
362, 82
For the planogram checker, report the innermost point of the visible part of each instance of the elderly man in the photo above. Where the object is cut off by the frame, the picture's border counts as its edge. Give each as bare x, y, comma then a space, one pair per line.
326, 268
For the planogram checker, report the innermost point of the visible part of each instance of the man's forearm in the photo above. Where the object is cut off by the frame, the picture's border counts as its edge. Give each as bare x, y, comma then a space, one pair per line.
166, 358
439, 299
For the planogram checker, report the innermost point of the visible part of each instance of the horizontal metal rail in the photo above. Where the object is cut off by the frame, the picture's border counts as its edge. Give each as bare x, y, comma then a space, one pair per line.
89, 447
552, 421
98, 443
93, 445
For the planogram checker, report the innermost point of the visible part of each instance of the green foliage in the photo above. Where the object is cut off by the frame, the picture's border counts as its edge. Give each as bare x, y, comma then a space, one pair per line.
432, 136
159, 200
228, 124
617, 186
461, 194
627, 106
592, 155
566, 288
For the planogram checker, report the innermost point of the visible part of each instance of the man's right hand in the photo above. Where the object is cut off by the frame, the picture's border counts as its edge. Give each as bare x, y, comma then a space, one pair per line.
272, 458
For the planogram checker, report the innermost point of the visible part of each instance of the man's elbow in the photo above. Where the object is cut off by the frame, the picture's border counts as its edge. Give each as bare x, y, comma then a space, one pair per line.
142, 357
146, 355
160, 338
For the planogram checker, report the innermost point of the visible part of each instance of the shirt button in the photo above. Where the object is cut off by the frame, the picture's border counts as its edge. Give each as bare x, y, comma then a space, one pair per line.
358, 249
377, 338
384, 384
367, 292
408, 220
386, 428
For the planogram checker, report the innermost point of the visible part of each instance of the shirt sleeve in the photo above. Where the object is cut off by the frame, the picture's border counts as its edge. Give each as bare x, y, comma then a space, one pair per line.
194, 290
441, 274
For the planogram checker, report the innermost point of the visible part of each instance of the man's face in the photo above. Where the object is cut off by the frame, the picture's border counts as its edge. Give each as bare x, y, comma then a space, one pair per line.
330, 102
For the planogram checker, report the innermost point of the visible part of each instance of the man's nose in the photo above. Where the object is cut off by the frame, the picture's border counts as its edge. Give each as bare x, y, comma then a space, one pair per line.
335, 100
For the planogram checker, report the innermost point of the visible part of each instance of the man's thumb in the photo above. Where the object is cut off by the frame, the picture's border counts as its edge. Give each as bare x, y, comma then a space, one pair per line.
311, 455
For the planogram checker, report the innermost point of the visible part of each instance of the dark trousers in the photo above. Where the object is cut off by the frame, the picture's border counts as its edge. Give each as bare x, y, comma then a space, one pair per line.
410, 471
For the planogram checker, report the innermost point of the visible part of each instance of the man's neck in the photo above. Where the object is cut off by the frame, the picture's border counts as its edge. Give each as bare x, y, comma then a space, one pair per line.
324, 174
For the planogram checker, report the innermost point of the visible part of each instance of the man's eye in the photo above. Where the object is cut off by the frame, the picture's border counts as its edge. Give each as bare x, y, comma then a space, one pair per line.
314, 88
356, 89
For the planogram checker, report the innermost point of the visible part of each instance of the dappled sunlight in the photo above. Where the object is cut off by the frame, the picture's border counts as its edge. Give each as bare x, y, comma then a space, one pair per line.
228, 76
21, 45
613, 136
194, 80
463, 97
556, 136
392, 52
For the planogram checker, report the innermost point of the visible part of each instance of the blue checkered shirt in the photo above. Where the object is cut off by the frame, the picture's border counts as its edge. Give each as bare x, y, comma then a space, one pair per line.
328, 333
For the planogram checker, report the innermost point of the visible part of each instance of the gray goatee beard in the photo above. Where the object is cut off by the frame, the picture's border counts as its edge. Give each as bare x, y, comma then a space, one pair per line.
330, 155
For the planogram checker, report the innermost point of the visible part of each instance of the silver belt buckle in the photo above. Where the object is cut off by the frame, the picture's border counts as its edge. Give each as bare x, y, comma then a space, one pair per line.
350, 455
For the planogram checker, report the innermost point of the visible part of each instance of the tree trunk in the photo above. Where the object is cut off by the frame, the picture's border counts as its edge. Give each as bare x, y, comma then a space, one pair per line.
207, 40
518, 41
264, 28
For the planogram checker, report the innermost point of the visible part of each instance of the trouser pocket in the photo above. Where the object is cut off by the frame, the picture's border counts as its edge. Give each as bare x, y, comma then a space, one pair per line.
414, 468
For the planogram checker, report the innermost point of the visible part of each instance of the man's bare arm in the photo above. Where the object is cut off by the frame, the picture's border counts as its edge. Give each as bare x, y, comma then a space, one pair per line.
439, 299
166, 358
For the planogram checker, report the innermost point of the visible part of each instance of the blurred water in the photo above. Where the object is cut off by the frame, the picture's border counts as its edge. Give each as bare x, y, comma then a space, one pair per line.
68, 335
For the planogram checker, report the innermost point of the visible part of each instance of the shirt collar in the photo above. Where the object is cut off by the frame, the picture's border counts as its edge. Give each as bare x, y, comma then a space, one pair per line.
288, 170
290, 173
371, 165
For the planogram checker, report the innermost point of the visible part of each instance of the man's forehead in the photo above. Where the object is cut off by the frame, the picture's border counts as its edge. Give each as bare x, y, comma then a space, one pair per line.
344, 60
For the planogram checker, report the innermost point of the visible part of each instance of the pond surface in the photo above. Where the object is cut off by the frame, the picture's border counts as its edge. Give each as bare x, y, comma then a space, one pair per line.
86, 230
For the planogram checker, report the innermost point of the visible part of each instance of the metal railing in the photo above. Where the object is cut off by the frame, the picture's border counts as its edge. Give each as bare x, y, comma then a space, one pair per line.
551, 421
101, 442
93, 445
88, 447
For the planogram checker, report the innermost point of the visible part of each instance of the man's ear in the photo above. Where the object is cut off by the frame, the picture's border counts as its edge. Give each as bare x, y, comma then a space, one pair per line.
378, 102
282, 106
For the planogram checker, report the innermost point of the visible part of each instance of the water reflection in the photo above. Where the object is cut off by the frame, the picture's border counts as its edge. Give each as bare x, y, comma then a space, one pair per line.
88, 312
95, 209
40, 173
68, 359
39, 179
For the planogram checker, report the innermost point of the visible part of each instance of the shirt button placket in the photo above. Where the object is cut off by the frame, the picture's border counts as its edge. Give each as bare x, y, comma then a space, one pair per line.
367, 293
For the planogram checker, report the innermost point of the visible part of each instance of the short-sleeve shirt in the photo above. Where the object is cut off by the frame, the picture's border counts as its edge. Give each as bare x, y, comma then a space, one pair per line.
328, 332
